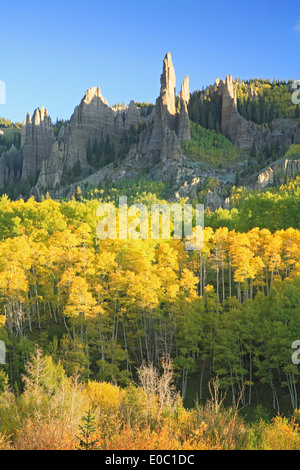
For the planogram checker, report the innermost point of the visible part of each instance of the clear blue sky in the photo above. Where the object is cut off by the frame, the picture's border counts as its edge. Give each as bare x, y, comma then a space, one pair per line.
51, 52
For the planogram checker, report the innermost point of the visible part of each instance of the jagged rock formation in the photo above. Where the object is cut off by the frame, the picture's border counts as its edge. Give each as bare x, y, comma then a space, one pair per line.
160, 143
167, 93
189, 190
244, 133
213, 200
91, 120
241, 132
183, 124
277, 174
37, 139
157, 152
94, 116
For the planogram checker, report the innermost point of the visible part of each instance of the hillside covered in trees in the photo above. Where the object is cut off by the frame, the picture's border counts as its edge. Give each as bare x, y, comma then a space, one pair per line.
141, 344
104, 311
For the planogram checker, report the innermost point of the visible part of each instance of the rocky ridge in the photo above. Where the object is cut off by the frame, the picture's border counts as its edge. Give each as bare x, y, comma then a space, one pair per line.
276, 174
158, 143
157, 152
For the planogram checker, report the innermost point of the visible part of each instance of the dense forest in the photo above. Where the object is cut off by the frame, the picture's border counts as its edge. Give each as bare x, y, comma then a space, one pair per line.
11, 136
205, 108
141, 344
271, 100
126, 314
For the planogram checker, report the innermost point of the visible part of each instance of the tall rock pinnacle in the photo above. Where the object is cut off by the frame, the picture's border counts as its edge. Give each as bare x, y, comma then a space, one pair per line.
241, 132
168, 88
184, 94
170, 124
230, 116
171, 117
91, 93
36, 141
183, 124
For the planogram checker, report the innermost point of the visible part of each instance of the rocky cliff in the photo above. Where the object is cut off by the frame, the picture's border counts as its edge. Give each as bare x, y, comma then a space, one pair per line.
155, 150
37, 139
244, 133
183, 121
158, 143
94, 116
91, 120
277, 173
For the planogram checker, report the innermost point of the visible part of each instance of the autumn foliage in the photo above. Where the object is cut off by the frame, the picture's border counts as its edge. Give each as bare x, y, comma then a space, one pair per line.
86, 324
139, 417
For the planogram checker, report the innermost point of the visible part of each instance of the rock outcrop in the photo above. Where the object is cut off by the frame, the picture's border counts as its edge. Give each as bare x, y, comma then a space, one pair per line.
94, 116
189, 190
157, 151
167, 94
92, 119
183, 124
37, 139
241, 132
160, 143
277, 174
213, 201
244, 133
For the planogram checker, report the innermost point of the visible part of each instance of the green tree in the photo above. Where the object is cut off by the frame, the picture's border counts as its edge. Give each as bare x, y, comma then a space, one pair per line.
87, 428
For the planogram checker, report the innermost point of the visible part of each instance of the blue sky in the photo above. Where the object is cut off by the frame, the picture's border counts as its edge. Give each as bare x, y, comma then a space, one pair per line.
52, 52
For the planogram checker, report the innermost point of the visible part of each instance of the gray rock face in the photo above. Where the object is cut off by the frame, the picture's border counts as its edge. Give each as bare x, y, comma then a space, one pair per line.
242, 132
277, 174
164, 114
160, 144
168, 168
183, 121
37, 139
213, 201
91, 120
189, 190
96, 117
167, 93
